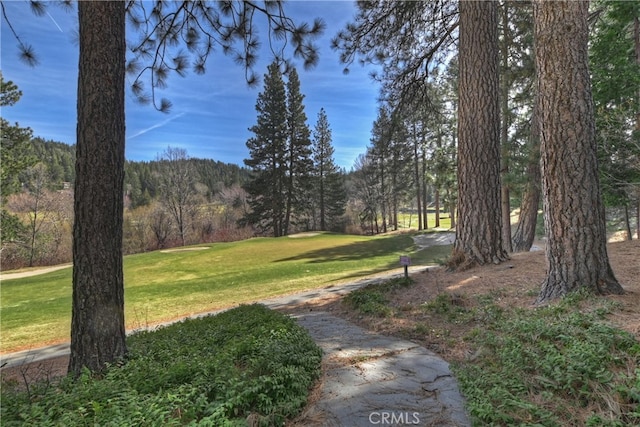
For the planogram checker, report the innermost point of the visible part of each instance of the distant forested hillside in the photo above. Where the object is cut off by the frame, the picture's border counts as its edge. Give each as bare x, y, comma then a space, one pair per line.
58, 157
141, 178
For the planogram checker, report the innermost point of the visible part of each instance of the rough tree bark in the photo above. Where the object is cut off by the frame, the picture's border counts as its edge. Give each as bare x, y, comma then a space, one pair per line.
478, 234
573, 208
97, 324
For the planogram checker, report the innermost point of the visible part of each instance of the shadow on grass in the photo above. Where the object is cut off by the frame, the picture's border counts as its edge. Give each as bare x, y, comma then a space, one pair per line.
379, 247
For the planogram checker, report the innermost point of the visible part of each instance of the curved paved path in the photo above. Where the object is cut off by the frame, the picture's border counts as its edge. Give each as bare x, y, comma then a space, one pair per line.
371, 379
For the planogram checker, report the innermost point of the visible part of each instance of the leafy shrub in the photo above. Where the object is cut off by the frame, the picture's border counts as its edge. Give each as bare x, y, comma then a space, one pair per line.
246, 363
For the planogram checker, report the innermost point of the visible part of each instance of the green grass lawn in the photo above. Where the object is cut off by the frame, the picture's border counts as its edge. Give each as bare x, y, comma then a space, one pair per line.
161, 286
410, 220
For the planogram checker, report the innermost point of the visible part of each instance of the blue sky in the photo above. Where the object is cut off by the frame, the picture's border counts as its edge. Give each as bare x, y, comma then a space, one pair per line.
211, 113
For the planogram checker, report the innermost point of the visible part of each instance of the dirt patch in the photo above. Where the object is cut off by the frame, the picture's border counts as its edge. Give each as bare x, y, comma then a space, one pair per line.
189, 249
301, 235
31, 372
35, 272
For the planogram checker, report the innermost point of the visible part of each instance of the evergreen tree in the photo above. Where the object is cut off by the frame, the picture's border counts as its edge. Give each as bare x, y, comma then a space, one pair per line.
299, 163
330, 193
15, 149
614, 62
97, 319
478, 231
574, 213
15, 157
380, 153
268, 151
409, 40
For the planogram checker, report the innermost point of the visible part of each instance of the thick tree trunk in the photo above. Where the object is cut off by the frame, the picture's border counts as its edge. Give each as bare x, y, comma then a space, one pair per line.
97, 323
478, 234
573, 208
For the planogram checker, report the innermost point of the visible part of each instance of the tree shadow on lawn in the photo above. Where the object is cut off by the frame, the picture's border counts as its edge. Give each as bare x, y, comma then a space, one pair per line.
359, 251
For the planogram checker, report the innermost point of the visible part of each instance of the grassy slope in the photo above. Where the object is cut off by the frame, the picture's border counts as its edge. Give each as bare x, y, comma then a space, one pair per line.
161, 286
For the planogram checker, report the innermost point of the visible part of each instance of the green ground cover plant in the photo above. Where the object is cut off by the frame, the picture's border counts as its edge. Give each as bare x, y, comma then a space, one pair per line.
534, 367
246, 366
161, 286
372, 299
558, 365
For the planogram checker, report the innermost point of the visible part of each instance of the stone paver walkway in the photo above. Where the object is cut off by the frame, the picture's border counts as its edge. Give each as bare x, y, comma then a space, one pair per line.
371, 379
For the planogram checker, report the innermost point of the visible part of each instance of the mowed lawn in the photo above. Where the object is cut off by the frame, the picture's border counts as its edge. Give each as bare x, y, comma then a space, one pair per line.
161, 286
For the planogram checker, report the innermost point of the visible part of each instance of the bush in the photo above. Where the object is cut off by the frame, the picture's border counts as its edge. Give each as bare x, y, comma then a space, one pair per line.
246, 363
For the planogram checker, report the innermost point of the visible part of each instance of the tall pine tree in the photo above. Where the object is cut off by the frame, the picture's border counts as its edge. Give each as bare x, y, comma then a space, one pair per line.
280, 189
268, 151
299, 163
330, 193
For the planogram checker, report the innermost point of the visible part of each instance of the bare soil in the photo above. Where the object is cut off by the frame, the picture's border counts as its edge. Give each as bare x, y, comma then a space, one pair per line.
514, 283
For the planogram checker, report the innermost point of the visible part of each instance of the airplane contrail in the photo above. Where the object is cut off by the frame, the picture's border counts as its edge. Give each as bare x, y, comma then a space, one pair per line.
54, 21
157, 125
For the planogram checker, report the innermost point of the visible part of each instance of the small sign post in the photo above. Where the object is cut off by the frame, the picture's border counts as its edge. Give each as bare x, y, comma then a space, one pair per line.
405, 261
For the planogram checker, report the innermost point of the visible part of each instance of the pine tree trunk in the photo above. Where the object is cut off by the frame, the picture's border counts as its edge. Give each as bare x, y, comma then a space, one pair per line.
636, 38
323, 223
394, 202
478, 234
638, 215
436, 202
452, 215
504, 134
525, 232
416, 171
97, 323
627, 223
573, 208
288, 199
425, 205
383, 199
636, 42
